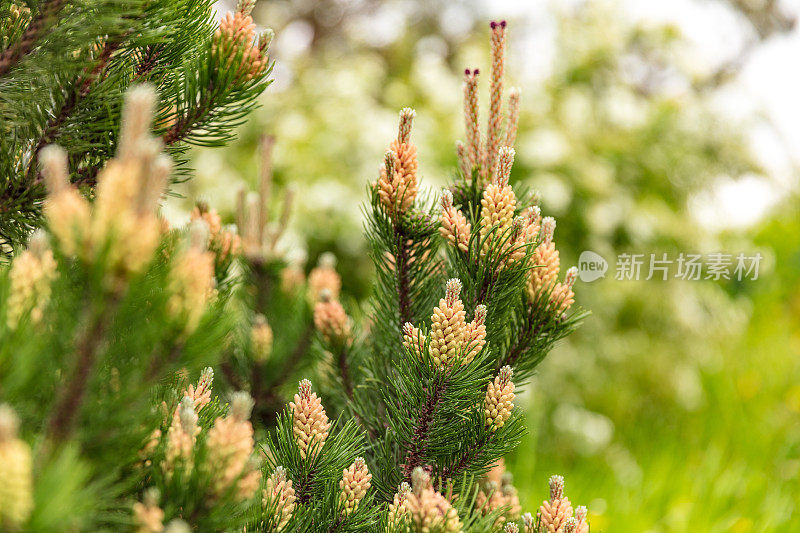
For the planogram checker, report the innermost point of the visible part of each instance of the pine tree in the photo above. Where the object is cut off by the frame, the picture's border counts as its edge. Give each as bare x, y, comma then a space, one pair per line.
112, 325
64, 67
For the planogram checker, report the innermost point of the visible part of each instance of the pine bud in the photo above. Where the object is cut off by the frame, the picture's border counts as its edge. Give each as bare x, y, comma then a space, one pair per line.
499, 399
230, 449
527, 523
504, 163
177, 525
354, 485
331, 320
234, 46
224, 244
420, 480
278, 492
571, 525
413, 339
562, 296
454, 226
67, 212
311, 424
192, 285
498, 205
201, 395
533, 219
553, 514
400, 507
292, 278
428, 509
181, 436
513, 116
511, 528
397, 184
448, 326
261, 338
498, 44
475, 334
16, 489
324, 277
580, 516
473, 146
147, 515
545, 260
31, 275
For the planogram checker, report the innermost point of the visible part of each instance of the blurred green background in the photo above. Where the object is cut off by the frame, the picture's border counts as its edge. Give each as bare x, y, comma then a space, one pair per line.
648, 127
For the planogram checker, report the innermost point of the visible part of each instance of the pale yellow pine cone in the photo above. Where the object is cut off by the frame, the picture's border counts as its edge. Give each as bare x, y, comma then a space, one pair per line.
310, 421
498, 203
454, 226
16, 488
324, 277
447, 327
499, 399
400, 508
230, 445
31, 275
398, 182
200, 394
413, 339
582, 521
354, 485
278, 491
554, 513
562, 297
148, 516
545, 261
527, 523
331, 320
181, 437
67, 212
191, 285
475, 334
429, 510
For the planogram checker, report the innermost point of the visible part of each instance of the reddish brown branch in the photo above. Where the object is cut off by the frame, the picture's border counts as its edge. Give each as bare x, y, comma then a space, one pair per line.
419, 443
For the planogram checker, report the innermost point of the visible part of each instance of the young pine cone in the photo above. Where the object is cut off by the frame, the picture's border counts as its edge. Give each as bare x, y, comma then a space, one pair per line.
31, 274
16, 475
230, 449
400, 508
397, 184
413, 339
311, 424
331, 320
554, 513
447, 326
454, 226
354, 485
429, 510
545, 261
279, 492
562, 297
475, 334
499, 399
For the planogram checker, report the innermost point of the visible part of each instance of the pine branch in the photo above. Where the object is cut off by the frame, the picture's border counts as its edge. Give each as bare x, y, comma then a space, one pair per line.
73, 392
418, 445
14, 53
401, 266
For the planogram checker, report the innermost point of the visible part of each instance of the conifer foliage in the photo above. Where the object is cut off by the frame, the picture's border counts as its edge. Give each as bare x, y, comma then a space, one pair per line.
64, 66
149, 373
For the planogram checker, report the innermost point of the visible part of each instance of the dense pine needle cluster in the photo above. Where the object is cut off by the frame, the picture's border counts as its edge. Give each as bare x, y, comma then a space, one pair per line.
194, 379
64, 67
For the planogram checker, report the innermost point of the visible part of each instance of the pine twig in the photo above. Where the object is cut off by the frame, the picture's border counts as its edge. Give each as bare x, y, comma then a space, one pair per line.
14, 53
419, 443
